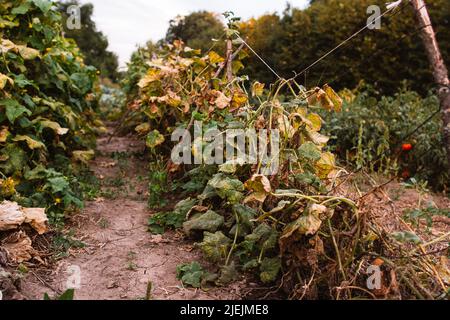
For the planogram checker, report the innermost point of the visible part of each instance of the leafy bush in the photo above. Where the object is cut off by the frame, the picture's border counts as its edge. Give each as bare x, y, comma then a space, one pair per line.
369, 132
47, 107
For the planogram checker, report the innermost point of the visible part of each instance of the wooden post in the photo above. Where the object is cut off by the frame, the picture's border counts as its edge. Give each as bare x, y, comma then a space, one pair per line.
439, 69
229, 60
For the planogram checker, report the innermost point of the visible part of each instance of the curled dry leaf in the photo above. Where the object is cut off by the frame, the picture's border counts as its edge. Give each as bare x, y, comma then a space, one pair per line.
222, 101
37, 218
12, 216
260, 186
18, 247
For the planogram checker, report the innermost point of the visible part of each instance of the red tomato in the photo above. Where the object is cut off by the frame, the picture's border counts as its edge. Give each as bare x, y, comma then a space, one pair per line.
406, 146
405, 174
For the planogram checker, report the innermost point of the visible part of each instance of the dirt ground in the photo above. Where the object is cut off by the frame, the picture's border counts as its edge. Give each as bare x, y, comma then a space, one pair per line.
121, 257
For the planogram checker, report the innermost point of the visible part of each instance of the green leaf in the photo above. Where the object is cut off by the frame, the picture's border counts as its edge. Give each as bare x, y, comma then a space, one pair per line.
406, 236
22, 9
58, 184
16, 159
44, 5
14, 109
309, 151
67, 295
190, 274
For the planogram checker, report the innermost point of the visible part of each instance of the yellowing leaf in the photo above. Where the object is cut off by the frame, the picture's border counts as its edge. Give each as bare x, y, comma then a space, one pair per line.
4, 132
143, 128
4, 79
315, 122
215, 58
325, 165
238, 100
151, 76
32, 144
6, 45
7, 187
257, 89
54, 126
83, 156
334, 97
320, 98
28, 53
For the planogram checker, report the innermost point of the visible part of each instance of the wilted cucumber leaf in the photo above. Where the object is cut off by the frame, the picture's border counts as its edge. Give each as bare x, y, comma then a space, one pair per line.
4, 133
215, 246
208, 221
260, 185
154, 139
315, 122
32, 143
227, 188
55, 126
307, 224
222, 101
262, 237
228, 274
270, 268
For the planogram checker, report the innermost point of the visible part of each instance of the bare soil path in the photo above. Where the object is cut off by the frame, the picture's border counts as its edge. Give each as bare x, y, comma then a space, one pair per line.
121, 257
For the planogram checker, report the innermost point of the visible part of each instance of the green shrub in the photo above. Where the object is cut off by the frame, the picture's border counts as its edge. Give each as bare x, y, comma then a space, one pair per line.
370, 132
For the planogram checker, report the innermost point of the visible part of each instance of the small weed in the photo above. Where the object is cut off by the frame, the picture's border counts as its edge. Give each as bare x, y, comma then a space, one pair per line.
103, 223
415, 216
62, 242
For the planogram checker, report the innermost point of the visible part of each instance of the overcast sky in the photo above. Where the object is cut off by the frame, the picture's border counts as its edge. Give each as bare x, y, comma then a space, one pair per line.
128, 23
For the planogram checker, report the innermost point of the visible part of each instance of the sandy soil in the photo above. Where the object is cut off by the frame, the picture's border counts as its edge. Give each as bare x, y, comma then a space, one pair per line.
121, 258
